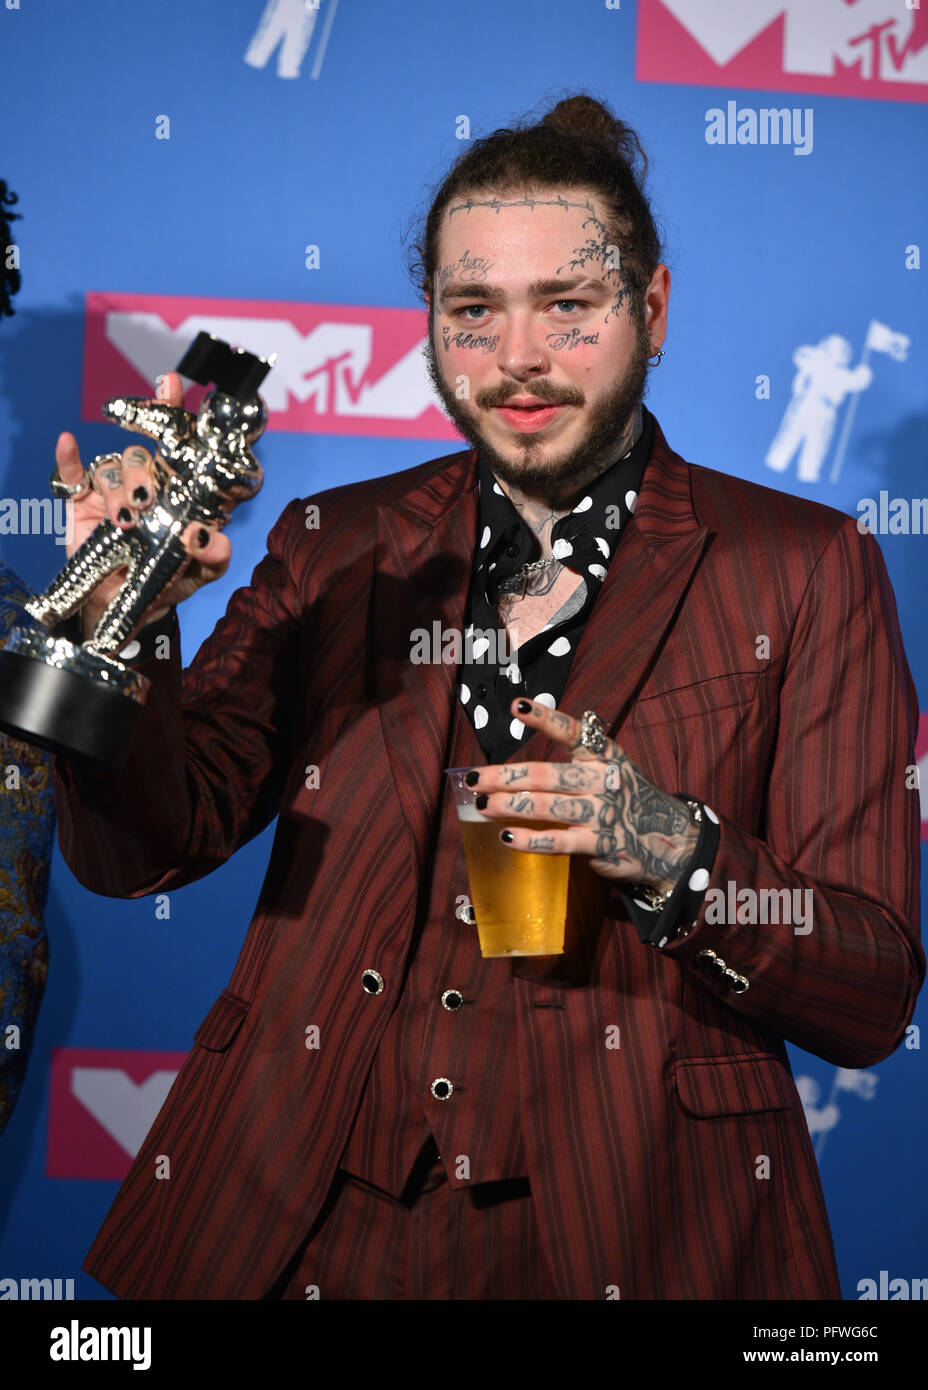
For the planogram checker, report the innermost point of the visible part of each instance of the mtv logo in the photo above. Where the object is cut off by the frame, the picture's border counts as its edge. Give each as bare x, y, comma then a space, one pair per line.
856, 48
103, 1103
341, 369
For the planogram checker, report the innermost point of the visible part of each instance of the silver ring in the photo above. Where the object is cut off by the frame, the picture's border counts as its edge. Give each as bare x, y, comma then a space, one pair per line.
74, 491
592, 733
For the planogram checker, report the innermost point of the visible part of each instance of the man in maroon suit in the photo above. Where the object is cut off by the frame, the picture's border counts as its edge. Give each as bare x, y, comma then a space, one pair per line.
374, 1110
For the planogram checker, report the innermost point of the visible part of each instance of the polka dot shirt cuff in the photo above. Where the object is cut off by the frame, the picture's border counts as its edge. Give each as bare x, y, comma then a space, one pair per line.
676, 919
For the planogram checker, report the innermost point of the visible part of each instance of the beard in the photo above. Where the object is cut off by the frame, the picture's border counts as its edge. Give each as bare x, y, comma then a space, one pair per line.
606, 440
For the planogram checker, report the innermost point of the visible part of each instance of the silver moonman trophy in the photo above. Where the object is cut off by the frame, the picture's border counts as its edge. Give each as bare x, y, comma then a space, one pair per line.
78, 697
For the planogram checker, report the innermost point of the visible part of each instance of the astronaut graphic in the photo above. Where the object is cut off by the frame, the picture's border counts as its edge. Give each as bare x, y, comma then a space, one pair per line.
288, 26
822, 1119
819, 388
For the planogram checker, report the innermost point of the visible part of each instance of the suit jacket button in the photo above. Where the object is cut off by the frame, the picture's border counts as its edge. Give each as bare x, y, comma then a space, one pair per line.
711, 963
372, 982
452, 999
441, 1088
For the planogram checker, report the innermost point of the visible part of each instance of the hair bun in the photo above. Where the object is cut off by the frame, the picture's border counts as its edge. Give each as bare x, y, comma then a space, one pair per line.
574, 143
588, 119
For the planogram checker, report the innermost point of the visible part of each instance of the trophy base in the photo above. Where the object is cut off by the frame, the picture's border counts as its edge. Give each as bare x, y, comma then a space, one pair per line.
69, 699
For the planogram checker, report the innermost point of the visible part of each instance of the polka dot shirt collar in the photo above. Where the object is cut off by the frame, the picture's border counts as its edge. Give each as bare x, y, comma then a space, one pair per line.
585, 540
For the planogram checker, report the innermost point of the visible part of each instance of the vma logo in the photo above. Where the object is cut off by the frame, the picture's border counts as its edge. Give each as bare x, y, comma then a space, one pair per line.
341, 369
103, 1103
852, 48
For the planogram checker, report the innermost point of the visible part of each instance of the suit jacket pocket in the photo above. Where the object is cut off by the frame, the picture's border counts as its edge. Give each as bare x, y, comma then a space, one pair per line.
700, 698
738, 1085
222, 1023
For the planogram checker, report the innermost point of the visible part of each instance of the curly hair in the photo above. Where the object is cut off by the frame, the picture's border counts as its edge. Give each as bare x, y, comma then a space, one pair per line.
579, 143
9, 276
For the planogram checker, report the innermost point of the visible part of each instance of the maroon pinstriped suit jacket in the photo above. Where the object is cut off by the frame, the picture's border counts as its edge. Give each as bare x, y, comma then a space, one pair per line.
643, 1159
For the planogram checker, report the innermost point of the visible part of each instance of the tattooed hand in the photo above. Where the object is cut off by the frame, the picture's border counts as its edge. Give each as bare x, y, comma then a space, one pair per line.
629, 828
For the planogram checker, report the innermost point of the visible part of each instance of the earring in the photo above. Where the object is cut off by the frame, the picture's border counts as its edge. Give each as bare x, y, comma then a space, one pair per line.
660, 353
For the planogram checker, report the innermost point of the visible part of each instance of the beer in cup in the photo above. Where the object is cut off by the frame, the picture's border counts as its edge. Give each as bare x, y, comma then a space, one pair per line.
519, 897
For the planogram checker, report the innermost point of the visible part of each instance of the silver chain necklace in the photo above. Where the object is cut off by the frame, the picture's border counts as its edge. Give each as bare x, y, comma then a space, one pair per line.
517, 582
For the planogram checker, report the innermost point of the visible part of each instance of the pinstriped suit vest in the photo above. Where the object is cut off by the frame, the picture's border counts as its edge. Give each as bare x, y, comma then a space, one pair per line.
477, 1127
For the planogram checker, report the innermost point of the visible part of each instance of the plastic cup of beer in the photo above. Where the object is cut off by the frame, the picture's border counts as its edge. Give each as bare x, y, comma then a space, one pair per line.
519, 897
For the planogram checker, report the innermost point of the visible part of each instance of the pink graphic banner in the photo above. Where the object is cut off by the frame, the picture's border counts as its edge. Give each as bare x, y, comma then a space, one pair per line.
103, 1103
341, 369
877, 49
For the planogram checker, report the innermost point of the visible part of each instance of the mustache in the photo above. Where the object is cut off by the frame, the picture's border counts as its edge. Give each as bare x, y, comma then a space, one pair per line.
542, 390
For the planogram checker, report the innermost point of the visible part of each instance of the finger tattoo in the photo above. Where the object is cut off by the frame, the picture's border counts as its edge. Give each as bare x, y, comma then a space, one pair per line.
578, 809
572, 777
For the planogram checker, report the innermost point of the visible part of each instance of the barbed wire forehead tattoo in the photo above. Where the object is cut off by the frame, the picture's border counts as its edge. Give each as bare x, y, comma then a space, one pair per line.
595, 248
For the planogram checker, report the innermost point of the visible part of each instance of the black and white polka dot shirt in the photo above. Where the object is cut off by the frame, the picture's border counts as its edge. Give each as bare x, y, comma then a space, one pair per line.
490, 676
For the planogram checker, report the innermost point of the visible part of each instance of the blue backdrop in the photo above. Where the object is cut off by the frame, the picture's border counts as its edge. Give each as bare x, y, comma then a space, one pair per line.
288, 127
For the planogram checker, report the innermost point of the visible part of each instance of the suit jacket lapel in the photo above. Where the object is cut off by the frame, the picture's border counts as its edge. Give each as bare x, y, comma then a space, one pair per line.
644, 586
425, 546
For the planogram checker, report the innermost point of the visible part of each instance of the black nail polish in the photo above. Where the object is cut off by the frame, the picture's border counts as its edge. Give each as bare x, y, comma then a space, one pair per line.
472, 778
202, 537
124, 514
481, 801
524, 707
506, 837
140, 494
